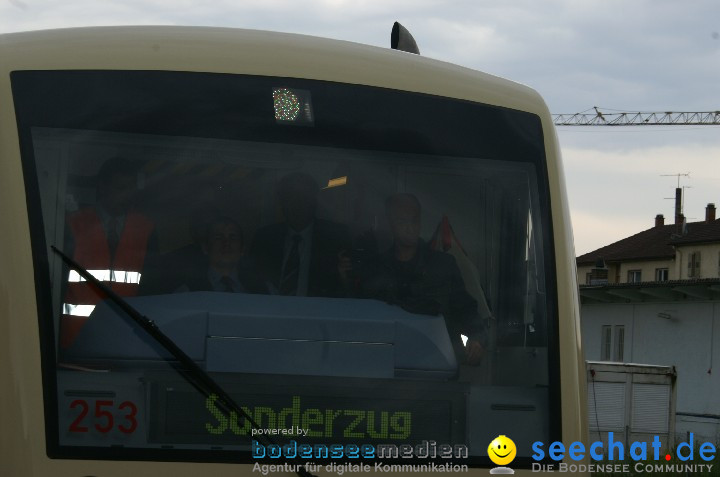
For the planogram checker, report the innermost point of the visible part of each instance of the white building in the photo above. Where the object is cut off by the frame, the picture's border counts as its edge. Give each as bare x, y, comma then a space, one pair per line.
634, 314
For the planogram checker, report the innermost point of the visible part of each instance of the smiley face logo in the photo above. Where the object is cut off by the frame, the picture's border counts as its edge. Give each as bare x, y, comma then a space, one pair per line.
502, 450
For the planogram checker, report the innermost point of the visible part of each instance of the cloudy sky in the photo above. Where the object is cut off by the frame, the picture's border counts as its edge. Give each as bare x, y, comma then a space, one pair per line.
631, 55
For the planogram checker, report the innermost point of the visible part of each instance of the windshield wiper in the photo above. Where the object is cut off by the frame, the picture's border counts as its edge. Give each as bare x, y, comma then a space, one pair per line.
182, 363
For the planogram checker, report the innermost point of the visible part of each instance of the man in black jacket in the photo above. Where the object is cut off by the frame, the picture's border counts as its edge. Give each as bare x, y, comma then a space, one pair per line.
424, 281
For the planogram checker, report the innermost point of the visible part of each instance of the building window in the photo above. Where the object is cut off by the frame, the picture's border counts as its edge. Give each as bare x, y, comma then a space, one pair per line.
634, 276
612, 346
661, 274
606, 345
619, 343
588, 277
694, 265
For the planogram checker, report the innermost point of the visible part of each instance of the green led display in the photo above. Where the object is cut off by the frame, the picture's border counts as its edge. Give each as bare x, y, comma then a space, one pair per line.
328, 423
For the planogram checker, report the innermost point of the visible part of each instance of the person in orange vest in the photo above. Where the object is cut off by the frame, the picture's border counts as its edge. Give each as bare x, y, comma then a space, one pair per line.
111, 240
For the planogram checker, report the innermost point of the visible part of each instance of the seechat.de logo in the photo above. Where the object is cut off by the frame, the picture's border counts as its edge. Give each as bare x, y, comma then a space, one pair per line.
619, 456
502, 451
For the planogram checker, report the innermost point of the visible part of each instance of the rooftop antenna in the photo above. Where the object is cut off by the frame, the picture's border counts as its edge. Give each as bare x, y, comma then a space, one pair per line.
678, 175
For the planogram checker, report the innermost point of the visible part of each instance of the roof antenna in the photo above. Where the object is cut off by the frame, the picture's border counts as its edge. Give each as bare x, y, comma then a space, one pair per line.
401, 39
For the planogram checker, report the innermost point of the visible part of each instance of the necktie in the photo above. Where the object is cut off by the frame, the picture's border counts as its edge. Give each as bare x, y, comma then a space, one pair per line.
291, 271
227, 284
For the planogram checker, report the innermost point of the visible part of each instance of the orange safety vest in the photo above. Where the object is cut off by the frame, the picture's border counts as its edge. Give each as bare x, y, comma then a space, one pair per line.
121, 273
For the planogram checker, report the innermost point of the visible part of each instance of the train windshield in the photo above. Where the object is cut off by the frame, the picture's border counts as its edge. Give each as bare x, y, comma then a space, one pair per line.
356, 266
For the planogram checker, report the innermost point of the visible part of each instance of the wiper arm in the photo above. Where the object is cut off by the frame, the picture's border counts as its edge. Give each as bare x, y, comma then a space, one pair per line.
183, 363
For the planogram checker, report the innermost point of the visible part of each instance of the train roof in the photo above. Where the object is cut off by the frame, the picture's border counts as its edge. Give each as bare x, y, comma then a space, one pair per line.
252, 52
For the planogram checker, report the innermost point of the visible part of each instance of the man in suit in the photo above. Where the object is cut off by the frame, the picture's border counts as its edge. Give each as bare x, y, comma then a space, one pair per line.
302, 255
224, 269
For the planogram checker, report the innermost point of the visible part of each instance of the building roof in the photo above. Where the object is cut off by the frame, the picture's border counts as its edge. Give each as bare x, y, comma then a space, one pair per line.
656, 243
699, 232
695, 289
653, 243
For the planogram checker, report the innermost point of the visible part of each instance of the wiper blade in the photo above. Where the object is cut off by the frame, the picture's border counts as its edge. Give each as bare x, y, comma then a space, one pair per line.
182, 363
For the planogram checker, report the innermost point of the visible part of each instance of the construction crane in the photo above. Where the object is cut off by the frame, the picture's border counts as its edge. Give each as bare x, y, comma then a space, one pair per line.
625, 118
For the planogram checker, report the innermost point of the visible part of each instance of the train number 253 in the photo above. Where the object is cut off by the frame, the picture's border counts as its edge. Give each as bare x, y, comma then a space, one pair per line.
103, 416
